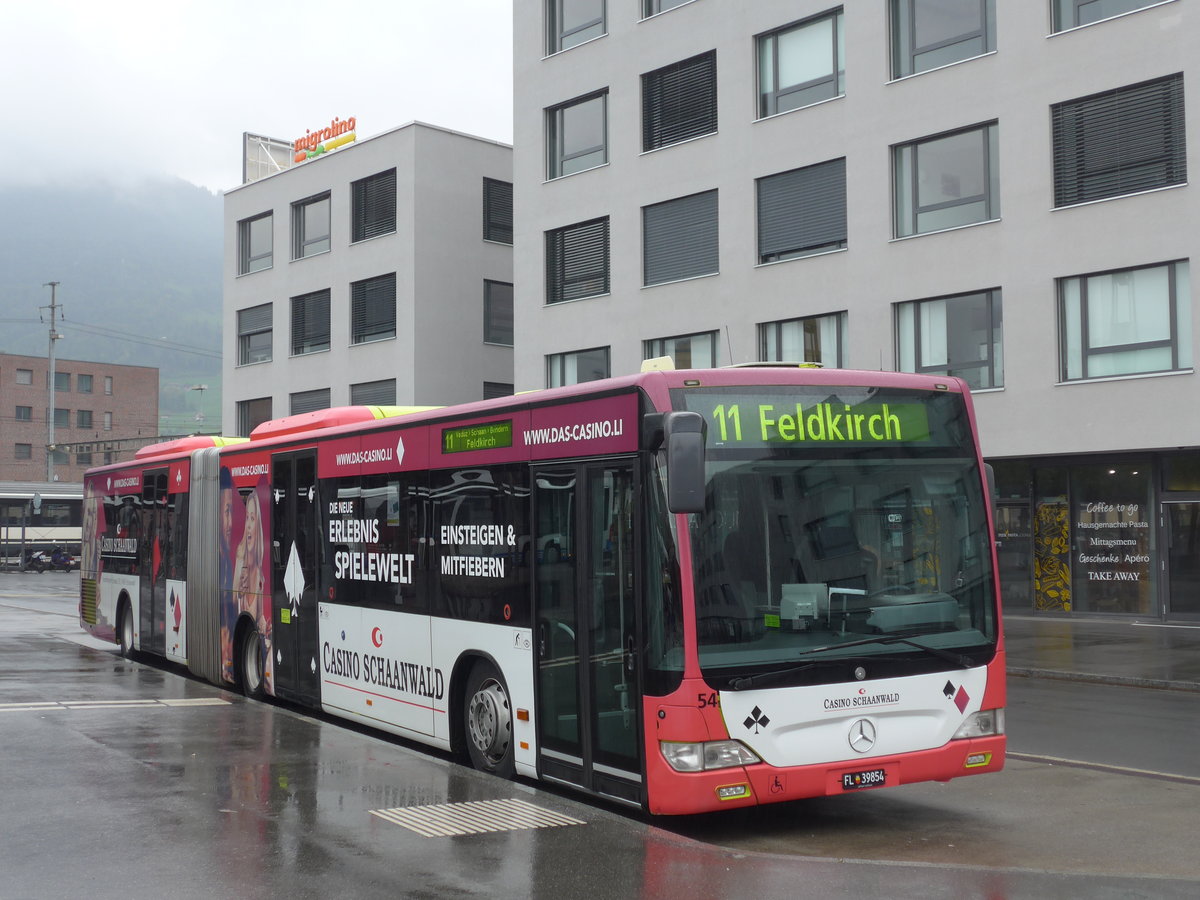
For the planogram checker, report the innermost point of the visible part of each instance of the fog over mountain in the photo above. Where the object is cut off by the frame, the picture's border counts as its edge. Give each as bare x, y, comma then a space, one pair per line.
139, 272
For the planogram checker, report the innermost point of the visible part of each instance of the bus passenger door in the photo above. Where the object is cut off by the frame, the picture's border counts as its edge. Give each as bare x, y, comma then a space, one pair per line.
152, 564
586, 628
293, 547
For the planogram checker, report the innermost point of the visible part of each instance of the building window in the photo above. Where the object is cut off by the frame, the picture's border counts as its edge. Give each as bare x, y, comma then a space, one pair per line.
679, 101
947, 181
372, 310
374, 393
1119, 142
654, 7
1126, 322
1073, 13
62, 382
310, 323
83, 418
83, 384
372, 206
255, 243
801, 64
497, 211
254, 335
24, 413
108, 385
571, 22
679, 239
810, 339
251, 414
577, 367
24, 376
498, 313
308, 401
802, 212
688, 351
577, 135
577, 261
927, 34
108, 421
23, 451
959, 336
494, 389
310, 226
60, 458
83, 458
62, 418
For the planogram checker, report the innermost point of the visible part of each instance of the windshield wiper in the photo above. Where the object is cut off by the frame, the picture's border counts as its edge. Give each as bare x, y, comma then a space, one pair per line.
957, 658
748, 681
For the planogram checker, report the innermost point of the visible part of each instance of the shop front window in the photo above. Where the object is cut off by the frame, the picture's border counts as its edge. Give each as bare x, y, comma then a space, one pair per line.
1114, 539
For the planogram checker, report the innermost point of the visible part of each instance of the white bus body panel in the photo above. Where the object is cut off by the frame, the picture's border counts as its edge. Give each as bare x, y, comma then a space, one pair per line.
812, 725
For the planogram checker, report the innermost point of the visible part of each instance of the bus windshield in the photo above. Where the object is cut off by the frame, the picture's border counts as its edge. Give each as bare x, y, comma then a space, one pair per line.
840, 523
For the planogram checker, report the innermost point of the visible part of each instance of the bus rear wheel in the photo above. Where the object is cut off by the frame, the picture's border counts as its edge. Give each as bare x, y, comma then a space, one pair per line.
251, 665
125, 629
488, 721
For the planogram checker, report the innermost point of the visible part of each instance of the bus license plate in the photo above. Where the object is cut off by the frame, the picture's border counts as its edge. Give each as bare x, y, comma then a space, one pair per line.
853, 781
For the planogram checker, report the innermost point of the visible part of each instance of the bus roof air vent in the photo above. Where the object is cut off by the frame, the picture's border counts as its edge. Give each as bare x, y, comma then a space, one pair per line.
330, 418
775, 365
187, 445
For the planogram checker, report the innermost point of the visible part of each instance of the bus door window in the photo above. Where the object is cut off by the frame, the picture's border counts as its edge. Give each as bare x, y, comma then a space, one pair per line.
611, 660
557, 615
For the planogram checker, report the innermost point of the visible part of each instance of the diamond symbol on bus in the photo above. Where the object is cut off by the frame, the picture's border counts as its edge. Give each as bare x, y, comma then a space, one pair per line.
756, 719
293, 581
399, 452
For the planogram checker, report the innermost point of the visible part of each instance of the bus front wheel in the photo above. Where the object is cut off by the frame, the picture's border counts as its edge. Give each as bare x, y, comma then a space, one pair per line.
488, 721
250, 665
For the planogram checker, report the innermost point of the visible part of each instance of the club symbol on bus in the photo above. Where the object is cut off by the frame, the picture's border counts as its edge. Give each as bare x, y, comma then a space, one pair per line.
757, 719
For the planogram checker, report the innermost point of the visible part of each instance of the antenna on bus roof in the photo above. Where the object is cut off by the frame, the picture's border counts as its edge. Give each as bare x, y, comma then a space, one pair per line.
658, 364
729, 345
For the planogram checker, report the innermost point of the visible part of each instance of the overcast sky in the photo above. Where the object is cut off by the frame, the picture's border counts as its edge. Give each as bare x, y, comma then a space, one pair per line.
127, 87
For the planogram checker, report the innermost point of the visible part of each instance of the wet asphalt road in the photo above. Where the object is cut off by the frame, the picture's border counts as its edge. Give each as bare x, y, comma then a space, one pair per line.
123, 780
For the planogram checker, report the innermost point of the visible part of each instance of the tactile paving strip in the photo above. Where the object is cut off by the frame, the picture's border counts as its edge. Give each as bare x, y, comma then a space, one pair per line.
477, 817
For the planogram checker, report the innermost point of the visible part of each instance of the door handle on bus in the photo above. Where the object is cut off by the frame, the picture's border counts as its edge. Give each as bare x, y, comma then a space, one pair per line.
629, 655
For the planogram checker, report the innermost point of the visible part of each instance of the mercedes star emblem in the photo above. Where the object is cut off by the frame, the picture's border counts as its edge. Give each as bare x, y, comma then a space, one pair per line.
862, 736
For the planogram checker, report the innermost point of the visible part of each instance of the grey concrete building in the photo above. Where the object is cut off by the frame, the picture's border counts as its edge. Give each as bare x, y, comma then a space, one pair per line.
994, 190
380, 273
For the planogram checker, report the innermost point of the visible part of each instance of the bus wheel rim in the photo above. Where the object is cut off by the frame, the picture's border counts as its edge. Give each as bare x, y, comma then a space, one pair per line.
489, 721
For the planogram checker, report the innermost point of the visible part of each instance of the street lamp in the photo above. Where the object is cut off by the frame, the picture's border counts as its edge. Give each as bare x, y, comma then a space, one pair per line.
201, 388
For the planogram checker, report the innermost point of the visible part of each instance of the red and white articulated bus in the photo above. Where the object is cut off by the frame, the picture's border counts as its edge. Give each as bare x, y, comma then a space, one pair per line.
680, 590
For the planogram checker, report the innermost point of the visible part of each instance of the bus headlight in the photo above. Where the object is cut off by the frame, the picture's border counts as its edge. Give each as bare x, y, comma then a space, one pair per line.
985, 723
702, 756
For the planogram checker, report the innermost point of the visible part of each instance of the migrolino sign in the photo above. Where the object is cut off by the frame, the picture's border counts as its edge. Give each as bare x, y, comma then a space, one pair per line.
314, 143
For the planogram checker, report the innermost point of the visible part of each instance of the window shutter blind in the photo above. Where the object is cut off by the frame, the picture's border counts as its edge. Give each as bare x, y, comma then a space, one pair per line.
679, 101
310, 322
680, 238
497, 211
309, 401
374, 202
801, 210
255, 319
374, 393
577, 261
373, 308
1119, 142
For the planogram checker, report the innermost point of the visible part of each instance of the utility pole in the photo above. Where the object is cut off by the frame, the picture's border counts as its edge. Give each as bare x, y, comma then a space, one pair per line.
54, 336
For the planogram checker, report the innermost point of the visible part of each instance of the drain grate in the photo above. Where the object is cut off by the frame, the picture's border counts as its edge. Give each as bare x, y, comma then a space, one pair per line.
477, 817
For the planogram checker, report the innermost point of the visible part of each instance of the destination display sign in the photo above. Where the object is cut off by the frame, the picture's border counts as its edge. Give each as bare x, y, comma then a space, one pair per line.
738, 419
486, 436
